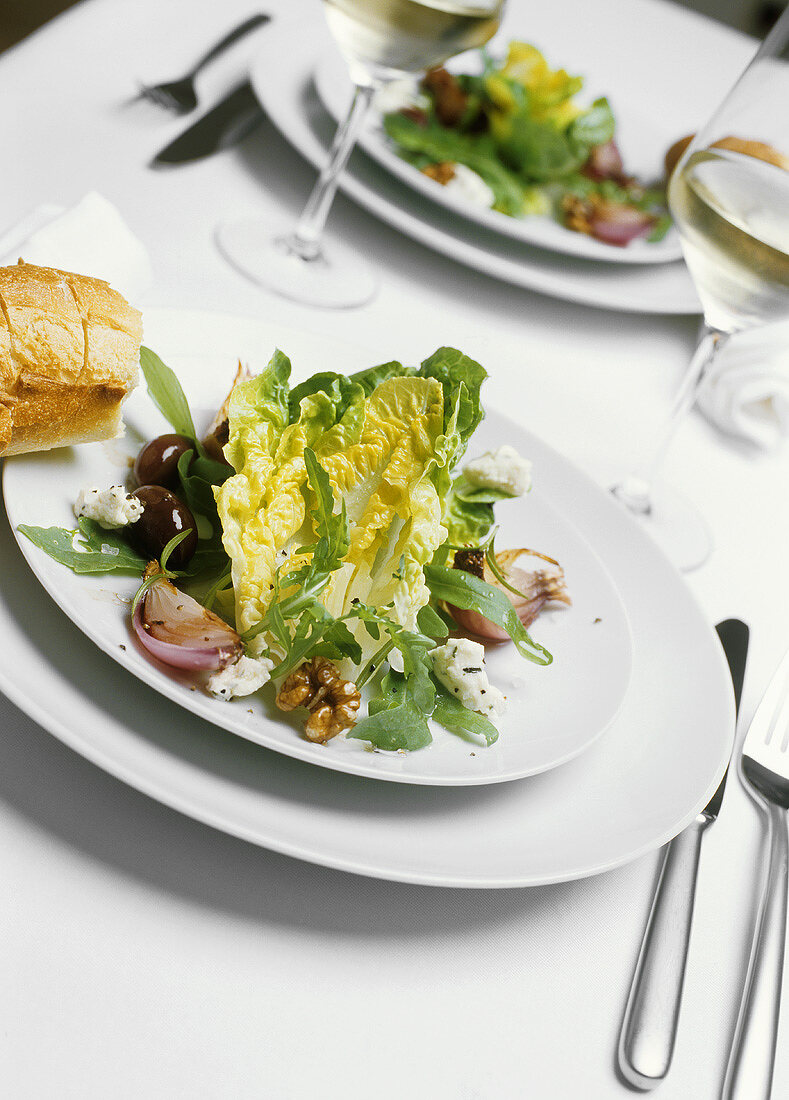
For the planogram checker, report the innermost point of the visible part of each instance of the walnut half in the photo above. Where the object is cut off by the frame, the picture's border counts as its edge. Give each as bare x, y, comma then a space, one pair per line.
331, 701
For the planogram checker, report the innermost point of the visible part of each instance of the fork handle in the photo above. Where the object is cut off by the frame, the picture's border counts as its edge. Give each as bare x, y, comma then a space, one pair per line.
234, 35
646, 1042
749, 1074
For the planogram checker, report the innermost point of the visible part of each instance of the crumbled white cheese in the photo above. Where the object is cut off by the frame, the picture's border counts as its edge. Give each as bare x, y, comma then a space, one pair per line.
397, 94
460, 666
243, 677
470, 187
110, 508
503, 469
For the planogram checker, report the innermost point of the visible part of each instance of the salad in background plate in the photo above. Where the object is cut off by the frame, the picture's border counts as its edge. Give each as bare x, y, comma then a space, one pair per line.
513, 138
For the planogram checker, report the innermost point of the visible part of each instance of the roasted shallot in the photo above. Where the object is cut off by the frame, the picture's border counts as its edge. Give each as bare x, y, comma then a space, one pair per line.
178, 630
534, 588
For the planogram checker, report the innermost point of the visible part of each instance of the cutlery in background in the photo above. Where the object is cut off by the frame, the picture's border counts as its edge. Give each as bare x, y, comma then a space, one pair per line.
765, 768
180, 95
224, 125
649, 1029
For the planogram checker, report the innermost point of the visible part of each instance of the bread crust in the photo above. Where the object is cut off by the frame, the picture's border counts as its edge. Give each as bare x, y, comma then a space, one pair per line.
69, 355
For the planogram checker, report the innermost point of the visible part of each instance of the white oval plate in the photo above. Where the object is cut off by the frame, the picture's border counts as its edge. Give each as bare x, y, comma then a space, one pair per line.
642, 142
633, 790
553, 713
289, 98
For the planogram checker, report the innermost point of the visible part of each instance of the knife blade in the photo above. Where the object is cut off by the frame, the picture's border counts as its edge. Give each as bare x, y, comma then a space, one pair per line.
649, 1028
734, 635
224, 125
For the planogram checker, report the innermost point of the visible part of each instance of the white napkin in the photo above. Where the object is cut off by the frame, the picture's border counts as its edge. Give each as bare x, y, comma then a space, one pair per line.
746, 391
90, 238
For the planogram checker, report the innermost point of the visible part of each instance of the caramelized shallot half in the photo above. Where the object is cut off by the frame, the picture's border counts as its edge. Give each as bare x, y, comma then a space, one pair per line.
605, 163
619, 224
535, 588
178, 630
219, 430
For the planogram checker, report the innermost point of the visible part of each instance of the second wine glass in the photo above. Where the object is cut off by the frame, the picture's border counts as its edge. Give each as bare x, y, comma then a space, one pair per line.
380, 42
729, 197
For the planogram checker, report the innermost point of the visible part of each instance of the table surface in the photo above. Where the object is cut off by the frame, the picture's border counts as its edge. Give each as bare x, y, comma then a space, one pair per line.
145, 954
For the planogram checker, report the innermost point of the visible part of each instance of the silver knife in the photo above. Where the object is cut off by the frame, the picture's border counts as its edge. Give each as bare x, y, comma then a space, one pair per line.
224, 125
649, 1029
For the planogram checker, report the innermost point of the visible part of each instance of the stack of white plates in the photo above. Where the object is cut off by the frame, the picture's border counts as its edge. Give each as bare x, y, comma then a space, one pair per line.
605, 754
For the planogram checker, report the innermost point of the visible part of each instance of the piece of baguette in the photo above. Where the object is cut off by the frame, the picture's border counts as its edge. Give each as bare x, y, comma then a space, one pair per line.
69, 355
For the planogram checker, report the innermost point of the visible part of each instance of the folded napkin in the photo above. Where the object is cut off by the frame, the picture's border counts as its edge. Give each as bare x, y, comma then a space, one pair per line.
90, 238
746, 390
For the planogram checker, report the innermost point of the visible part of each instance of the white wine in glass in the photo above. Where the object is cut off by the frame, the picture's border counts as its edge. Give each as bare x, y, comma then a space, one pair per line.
381, 41
732, 210
387, 38
729, 197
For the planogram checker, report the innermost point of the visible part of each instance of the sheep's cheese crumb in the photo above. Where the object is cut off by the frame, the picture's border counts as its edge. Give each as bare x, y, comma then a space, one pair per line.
503, 469
110, 508
470, 186
397, 94
460, 666
243, 677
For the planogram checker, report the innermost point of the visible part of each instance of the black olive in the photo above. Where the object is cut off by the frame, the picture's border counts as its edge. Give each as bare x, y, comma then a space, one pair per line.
157, 462
163, 517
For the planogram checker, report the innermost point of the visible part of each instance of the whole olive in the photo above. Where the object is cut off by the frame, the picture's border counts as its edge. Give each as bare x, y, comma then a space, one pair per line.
157, 462
163, 517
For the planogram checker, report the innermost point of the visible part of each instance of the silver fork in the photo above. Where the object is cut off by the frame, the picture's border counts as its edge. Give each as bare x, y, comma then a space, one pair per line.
765, 768
180, 95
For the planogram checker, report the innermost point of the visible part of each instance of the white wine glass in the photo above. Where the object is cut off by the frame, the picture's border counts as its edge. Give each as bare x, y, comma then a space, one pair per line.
729, 197
381, 41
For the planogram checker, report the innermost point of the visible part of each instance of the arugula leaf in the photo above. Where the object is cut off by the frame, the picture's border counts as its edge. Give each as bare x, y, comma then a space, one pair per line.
452, 715
464, 590
90, 549
538, 150
394, 720
434, 143
474, 494
430, 622
594, 127
467, 521
317, 634
198, 476
166, 393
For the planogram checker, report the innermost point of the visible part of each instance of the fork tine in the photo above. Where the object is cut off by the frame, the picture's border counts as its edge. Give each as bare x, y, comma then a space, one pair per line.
778, 707
767, 739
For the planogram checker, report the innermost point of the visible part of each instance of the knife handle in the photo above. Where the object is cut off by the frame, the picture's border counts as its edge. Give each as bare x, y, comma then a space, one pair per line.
646, 1042
749, 1074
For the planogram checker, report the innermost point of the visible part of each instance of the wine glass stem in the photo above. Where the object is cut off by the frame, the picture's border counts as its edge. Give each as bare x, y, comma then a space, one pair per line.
637, 492
305, 238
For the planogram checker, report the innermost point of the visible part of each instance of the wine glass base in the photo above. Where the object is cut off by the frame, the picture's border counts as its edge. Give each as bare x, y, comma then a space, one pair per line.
676, 526
337, 278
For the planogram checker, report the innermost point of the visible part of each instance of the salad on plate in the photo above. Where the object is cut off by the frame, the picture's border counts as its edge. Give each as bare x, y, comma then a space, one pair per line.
327, 542
513, 138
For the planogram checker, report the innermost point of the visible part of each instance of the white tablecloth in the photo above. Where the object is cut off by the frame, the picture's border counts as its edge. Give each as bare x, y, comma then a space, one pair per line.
146, 955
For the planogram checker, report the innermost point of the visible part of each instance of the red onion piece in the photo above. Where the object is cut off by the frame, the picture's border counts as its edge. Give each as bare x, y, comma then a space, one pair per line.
182, 633
536, 588
604, 163
617, 224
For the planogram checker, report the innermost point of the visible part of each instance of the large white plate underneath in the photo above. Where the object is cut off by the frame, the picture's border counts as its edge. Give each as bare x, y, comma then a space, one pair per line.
553, 713
640, 784
288, 95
